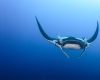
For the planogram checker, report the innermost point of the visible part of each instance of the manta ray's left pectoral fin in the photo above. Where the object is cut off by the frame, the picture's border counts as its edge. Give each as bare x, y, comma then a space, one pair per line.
44, 34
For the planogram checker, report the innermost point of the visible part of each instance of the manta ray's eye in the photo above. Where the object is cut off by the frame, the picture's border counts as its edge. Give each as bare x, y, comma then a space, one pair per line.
86, 44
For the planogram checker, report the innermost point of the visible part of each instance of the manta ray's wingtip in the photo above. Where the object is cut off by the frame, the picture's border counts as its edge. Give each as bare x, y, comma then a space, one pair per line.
36, 18
97, 23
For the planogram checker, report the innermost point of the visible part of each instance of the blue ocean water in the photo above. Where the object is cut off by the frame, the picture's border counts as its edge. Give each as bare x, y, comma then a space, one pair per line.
26, 55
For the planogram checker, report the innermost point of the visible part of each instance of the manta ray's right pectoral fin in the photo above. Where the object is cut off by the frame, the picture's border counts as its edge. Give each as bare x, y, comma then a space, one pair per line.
43, 32
94, 35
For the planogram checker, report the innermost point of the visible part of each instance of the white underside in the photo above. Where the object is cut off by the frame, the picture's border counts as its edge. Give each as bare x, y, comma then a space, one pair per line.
72, 46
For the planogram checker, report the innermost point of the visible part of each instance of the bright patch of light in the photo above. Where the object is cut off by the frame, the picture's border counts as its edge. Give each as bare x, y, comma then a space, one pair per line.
88, 2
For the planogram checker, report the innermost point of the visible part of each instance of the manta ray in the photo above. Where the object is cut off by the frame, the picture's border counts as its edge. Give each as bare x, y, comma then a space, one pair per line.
69, 42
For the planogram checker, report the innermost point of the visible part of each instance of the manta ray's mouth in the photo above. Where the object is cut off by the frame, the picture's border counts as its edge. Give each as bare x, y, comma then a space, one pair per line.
72, 46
